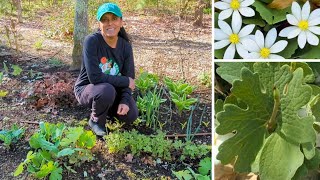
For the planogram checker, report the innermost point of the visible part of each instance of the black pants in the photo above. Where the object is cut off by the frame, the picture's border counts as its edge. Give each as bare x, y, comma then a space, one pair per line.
103, 99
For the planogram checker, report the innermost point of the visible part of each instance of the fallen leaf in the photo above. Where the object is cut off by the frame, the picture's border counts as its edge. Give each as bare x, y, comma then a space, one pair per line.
280, 4
128, 158
148, 160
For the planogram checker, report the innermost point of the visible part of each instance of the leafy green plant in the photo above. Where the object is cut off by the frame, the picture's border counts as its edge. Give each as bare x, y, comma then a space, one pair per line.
16, 70
11, 136
157, 146
116, 125
178, 87
204, 171
55, 62
149, 107
146, 81
271, 111
205, 79
54, 144
182, 102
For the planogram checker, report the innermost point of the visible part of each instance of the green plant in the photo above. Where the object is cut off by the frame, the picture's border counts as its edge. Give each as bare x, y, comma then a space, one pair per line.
181, 102
205, 79
11, 136
116, 125
157, 145
54, 144
55, 62
38, 45
178, 87
146, 81
189, 137
204, 171
149, 107
271, 111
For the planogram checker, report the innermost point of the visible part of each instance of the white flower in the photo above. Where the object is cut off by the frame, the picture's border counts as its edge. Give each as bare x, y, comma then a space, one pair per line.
225, 36
264, 48
234, 6
305, 25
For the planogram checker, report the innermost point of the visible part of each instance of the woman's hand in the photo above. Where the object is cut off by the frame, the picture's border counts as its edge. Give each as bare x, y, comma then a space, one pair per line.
123, 109
131, 84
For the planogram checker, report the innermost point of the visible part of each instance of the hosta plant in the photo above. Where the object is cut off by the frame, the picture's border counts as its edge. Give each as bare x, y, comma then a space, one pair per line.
271, 116
146, 81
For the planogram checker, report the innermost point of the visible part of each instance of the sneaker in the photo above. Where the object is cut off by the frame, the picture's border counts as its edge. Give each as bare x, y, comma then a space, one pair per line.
97, 129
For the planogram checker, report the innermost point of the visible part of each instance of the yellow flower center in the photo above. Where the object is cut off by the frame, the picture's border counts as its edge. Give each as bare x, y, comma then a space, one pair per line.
235, 4
303, 25
265, 52
234, 38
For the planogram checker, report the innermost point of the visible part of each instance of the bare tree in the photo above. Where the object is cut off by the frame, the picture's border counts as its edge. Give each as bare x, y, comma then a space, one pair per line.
198, 15
79, 33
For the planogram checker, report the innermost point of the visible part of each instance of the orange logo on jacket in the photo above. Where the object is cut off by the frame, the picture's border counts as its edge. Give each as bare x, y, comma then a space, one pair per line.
103, 60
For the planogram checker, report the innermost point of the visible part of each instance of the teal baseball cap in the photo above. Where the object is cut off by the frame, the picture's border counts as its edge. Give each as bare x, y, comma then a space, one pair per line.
108, 8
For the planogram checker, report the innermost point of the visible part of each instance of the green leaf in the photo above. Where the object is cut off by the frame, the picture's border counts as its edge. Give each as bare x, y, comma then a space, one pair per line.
219, 53
250, 127
56, 174
308, 150
5, 67
1, 77
279, 158
72, 134
45, 170
3, 93
272, 16
87, 140
250, 123
291, 48
205, 166
19, 170
183, 175
308, 52
257, 20
16, 70
65, 152
231, 71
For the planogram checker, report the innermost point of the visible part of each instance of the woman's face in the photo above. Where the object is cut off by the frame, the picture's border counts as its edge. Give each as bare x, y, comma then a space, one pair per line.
110, 25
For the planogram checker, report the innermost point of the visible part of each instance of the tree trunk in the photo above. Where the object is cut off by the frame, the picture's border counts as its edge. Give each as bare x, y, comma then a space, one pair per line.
18, 5
79, 33
198, 15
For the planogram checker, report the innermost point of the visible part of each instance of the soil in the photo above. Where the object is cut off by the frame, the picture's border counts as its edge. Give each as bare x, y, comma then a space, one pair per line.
161, 45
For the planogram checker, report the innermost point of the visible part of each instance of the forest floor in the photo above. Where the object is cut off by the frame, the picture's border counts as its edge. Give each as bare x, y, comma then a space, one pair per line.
162, 45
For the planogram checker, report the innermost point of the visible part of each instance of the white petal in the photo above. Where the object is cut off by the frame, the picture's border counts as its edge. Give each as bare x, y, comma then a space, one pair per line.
246, 11
229, 54
225, 27
254, 55
221, 44
294, 33
241, 50
305, 12
296, 10
222, 5
225, 14
236, 22
285, 32
247, 3
278, 46
227, 1
220, 35
246, 30
315, 29
314, 21
314, 14
271, 37
312, 39
302, 39
250, 45
274, 56
292, 20
259, 39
